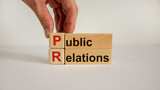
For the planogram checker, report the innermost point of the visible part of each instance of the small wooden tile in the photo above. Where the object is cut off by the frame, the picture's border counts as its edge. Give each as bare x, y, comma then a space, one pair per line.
56, 40
87, 56
82, 41
56, 56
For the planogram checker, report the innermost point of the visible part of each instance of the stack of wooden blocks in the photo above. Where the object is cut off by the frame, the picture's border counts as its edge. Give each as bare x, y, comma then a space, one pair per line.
80, 48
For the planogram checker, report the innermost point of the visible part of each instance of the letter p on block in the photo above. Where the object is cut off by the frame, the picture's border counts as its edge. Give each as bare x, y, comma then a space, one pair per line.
56, 56
56, 40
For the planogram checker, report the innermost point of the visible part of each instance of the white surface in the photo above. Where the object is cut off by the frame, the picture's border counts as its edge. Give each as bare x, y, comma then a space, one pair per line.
27, 68
132, 22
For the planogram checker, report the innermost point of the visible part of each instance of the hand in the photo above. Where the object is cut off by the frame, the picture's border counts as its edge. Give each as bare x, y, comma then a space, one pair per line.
65, 12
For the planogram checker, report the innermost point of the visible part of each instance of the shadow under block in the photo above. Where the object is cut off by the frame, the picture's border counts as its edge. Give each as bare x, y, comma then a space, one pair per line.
56, 56
82, 41
88, 56
56, 40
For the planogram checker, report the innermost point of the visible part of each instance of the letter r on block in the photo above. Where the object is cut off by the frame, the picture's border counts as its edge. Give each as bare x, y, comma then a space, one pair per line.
56, 40
56, 56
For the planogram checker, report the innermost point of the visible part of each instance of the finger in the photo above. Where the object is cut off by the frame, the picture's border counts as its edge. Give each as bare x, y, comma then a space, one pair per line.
54, 4
64, 11
56, 17
44, 17
61, 19
70, 22
71, 15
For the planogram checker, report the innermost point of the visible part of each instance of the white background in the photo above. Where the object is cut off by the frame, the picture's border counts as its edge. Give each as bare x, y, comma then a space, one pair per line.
135, 25
27, 68
132, 22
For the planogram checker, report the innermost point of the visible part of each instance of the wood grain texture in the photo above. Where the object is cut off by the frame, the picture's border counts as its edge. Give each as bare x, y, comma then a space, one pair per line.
100, 41
88, 56
54, 54
55, 41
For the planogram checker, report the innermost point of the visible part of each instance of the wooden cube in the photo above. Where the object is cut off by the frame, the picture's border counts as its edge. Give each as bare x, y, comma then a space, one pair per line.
83, 41
56, 40
56, 56
87, 56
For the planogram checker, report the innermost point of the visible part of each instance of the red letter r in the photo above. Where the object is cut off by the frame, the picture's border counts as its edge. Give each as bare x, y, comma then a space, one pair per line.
56, 55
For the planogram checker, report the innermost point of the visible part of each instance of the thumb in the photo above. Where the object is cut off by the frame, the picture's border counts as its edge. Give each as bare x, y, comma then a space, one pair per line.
44, 17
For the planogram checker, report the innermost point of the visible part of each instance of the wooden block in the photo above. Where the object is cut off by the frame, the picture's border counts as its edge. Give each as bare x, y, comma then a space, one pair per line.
87, 56
95, 41
56, 40
56, 56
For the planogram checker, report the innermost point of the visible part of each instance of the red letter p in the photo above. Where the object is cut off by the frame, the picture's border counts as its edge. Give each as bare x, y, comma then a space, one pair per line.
56, 39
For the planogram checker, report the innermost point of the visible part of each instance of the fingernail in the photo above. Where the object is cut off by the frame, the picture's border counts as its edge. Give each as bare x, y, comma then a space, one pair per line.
46, 32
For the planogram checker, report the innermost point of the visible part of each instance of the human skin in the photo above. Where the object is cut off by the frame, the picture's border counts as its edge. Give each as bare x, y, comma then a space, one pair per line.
65, 12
